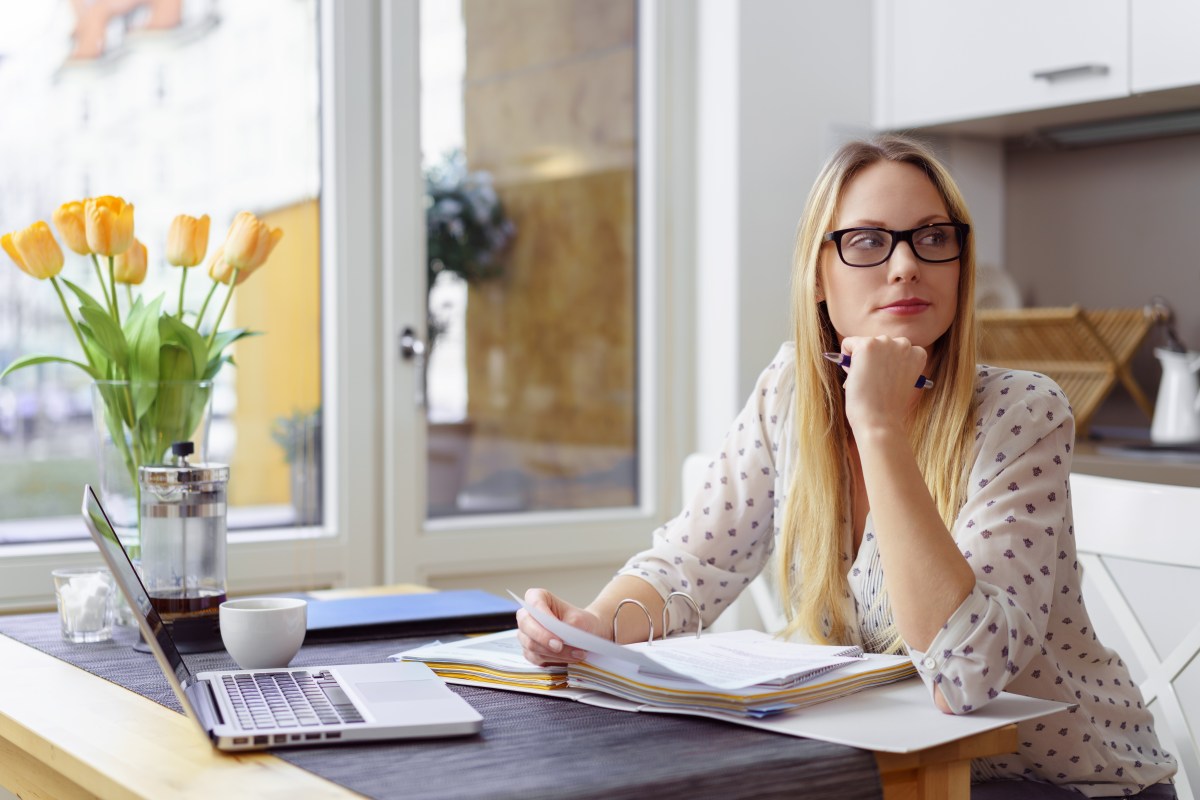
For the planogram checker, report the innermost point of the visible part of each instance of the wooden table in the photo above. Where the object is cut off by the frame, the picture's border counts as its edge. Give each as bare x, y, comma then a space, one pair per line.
65, 733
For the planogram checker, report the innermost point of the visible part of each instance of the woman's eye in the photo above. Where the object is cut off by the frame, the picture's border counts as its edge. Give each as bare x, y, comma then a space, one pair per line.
933, 237
864, 240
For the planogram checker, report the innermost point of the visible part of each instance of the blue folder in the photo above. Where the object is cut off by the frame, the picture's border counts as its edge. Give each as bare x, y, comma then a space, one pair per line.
397, 615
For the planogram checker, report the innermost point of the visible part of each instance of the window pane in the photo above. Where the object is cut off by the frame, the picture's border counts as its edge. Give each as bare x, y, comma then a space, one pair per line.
189, 107
529, 106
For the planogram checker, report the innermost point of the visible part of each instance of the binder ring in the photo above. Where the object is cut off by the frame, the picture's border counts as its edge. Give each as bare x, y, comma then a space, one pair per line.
667, 602
645, 611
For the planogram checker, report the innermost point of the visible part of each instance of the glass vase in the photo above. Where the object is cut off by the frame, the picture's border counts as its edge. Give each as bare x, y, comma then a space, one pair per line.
136, 423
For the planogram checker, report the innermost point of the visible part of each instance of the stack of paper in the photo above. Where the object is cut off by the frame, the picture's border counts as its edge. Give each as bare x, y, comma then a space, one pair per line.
718, 682
494, 660
744, 673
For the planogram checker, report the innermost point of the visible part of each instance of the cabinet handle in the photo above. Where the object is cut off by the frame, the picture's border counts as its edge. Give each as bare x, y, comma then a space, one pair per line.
1078, 71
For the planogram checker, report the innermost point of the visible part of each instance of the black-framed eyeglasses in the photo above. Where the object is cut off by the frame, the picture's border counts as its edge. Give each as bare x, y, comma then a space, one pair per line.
870, 247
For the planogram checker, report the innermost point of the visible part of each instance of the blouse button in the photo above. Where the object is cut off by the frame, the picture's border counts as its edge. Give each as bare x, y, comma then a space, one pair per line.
929, 663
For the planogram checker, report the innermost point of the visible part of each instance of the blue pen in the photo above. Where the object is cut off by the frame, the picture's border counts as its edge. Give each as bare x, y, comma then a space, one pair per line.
843, 360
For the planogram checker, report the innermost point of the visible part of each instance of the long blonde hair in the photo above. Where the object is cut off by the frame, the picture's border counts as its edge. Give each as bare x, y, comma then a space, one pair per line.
818, 507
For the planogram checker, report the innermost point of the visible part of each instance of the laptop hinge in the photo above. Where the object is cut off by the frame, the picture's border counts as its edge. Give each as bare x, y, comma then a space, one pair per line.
206, 705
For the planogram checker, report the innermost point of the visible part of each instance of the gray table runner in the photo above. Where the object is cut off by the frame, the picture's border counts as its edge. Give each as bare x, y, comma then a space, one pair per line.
530, 747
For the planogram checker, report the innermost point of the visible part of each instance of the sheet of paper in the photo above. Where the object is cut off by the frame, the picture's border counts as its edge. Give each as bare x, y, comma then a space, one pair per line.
716, 660
898, 718
582, 640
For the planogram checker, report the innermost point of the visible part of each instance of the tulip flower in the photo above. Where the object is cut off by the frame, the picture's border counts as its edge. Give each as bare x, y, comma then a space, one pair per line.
130, 266
187, 240
108, 222
34, 250
37, 253
249, 242
69, 219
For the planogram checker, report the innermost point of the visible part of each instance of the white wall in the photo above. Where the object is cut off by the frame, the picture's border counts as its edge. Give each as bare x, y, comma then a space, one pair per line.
781, 84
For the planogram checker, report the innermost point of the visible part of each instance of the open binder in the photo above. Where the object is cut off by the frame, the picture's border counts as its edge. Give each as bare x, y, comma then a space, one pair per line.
742, 673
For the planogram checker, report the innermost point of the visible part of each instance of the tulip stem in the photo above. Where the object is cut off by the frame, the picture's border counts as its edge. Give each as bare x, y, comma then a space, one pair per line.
182, 283
204, 307
108, 301
129, 294
112, 278
66, 310
217, 325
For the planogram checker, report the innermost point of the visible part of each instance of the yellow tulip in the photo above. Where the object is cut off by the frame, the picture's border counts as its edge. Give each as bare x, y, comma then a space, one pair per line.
130, 267
34, 250
69, 221
187, 240
109, 224
220, 270
249, 243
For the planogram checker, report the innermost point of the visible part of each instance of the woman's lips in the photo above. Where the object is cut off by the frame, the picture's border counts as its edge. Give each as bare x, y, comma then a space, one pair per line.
907, 307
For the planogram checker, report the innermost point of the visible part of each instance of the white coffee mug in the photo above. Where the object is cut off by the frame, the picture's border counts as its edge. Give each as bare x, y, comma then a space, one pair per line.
263, 632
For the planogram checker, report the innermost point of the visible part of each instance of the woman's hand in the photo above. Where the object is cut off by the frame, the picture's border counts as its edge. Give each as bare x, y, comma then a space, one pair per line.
540, 646
880, 382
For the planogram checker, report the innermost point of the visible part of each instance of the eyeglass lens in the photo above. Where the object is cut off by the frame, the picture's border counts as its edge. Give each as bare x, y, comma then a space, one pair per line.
866, 248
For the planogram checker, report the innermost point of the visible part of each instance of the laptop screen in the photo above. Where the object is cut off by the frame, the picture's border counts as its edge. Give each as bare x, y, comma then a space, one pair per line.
131, 585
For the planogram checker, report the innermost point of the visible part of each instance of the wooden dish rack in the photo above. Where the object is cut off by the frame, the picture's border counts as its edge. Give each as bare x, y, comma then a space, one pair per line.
1085, 352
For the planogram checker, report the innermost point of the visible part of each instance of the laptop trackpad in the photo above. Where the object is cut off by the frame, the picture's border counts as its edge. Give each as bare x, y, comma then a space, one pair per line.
394, 691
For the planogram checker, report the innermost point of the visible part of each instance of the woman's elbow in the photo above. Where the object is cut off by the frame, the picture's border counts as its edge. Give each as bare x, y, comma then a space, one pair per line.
940, 701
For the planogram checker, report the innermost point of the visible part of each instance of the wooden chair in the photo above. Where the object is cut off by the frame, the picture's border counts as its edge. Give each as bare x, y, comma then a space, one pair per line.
1086, 352
1118, 520
764, 612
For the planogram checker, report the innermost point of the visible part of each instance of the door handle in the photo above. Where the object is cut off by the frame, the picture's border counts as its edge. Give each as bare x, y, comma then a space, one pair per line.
1077, 71
412, 349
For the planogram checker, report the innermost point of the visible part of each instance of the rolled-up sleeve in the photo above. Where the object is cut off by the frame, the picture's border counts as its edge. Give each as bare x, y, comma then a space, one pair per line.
724, 534
1009, 531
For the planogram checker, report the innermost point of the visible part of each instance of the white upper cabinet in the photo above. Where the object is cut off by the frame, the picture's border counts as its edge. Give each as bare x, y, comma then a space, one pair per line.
1165, 44
940, 62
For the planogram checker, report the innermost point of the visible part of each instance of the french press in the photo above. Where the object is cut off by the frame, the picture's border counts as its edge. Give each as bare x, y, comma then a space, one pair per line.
183, 546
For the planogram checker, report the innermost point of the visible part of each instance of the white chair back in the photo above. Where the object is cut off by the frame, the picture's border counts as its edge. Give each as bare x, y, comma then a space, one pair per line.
1128, 521
770, 616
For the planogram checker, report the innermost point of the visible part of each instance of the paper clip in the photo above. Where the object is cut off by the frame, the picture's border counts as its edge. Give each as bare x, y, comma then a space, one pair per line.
650, 619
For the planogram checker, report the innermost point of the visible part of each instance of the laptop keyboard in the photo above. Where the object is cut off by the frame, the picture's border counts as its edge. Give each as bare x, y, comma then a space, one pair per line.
288, 700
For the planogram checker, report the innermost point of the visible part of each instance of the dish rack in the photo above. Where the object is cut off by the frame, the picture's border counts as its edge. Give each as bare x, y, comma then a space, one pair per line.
1086, 352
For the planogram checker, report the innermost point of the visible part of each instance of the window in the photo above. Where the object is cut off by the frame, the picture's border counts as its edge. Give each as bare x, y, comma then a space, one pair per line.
192, 107
529, 140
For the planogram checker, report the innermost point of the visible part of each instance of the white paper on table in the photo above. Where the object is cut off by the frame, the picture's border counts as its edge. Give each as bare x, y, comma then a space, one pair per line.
720, 661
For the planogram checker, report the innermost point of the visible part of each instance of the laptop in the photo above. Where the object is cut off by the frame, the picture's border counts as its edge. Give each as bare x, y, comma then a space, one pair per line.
291, 707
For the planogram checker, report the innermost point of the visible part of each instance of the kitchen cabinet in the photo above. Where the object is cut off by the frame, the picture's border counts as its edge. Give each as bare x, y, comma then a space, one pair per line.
940, 62
1163, 35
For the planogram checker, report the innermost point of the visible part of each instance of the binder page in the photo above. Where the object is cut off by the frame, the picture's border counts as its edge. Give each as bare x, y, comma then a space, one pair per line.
720, 661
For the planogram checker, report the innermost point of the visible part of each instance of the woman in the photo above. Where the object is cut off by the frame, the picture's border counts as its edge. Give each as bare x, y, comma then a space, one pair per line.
934, 521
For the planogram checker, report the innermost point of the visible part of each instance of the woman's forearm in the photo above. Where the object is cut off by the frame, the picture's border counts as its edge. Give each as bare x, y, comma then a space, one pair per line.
926, 576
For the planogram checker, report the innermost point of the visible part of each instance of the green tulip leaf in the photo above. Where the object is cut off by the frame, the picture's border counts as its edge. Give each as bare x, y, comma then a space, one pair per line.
95, 354
226, 338
85, 299
29, 361
107, 336
145, 342
170, 329
214, 366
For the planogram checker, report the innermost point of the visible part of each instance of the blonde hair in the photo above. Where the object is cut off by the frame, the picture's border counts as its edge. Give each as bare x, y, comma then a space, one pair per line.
818, 507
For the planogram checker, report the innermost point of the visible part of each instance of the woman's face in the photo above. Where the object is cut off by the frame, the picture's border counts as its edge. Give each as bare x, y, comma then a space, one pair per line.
903, 296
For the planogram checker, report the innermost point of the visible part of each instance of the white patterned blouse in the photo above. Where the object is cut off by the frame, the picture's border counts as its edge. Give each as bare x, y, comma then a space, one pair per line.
1023, 628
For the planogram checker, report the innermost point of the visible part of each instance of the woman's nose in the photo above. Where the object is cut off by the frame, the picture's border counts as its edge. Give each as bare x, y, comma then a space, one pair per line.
903, 266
